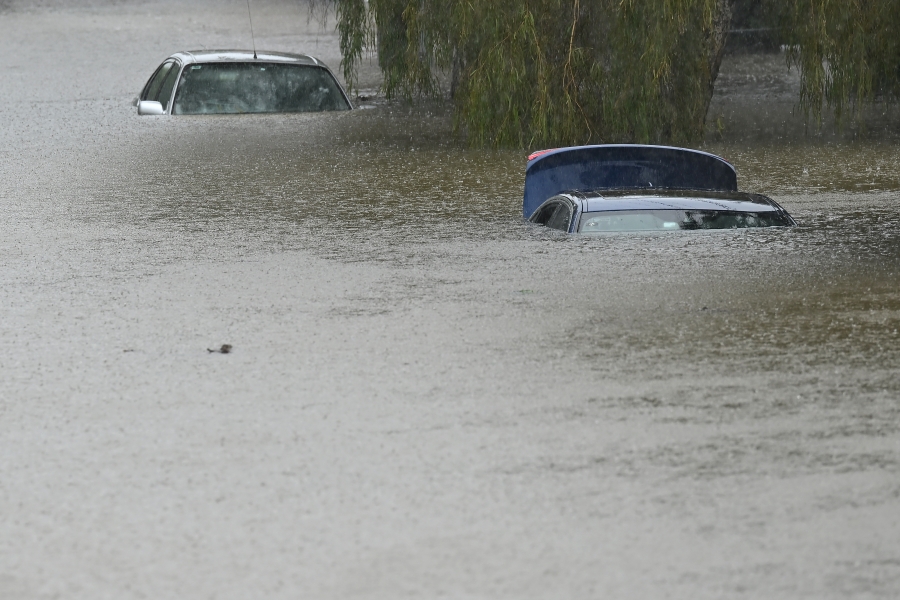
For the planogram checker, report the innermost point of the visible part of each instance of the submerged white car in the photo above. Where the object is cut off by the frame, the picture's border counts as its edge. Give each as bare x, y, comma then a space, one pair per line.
240, 81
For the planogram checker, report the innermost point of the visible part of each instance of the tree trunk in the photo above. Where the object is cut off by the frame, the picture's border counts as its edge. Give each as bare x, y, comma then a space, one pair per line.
718, 37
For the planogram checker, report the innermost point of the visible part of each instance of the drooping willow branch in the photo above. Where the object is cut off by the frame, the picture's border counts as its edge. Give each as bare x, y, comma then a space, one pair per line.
547, 72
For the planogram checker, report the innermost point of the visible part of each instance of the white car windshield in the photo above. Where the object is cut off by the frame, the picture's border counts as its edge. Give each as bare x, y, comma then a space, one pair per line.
256, 87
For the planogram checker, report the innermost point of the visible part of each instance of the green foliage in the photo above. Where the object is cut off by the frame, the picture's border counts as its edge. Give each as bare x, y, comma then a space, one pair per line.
848, 52
542, 72
548, 72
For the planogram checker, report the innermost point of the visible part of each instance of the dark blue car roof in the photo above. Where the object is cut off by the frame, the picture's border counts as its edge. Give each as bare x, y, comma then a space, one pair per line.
622, 166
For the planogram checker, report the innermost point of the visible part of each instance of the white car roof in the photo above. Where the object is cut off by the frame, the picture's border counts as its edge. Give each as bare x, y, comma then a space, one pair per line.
207, 56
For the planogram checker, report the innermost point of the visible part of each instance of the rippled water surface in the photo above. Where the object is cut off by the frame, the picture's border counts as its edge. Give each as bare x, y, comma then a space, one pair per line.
425, 396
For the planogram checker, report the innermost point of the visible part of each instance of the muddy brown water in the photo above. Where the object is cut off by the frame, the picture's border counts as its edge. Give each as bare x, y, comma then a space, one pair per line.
425, 396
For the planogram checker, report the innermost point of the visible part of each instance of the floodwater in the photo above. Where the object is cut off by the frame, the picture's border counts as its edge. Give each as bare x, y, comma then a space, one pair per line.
425, 397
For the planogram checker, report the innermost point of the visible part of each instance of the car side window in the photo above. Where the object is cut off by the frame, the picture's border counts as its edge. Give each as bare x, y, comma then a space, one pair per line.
545, 213
561, 218
151, 91
165, 91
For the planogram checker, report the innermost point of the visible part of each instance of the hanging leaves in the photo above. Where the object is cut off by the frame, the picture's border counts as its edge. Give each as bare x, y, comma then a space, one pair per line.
552, 72
847, 51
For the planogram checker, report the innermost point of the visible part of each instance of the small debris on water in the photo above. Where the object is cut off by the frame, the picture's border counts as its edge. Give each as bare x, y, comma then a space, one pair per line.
224, 349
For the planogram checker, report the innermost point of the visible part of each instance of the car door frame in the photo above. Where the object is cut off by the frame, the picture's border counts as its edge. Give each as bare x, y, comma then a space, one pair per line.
572, 201
178, 66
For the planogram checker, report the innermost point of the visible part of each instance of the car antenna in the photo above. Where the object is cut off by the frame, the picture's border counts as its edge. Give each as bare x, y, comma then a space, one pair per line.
252, 37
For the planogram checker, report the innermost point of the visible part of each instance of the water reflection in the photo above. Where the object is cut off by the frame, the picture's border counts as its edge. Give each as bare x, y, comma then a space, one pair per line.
369, 181
391, 184
365, 174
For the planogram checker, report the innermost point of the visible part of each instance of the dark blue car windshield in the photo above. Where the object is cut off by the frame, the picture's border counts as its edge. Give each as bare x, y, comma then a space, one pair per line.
254, 87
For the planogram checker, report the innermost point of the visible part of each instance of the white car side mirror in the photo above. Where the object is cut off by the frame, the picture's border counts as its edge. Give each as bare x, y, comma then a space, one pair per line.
149, 107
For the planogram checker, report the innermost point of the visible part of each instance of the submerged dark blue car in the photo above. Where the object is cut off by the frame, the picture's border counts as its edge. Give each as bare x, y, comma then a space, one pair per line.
627, 187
